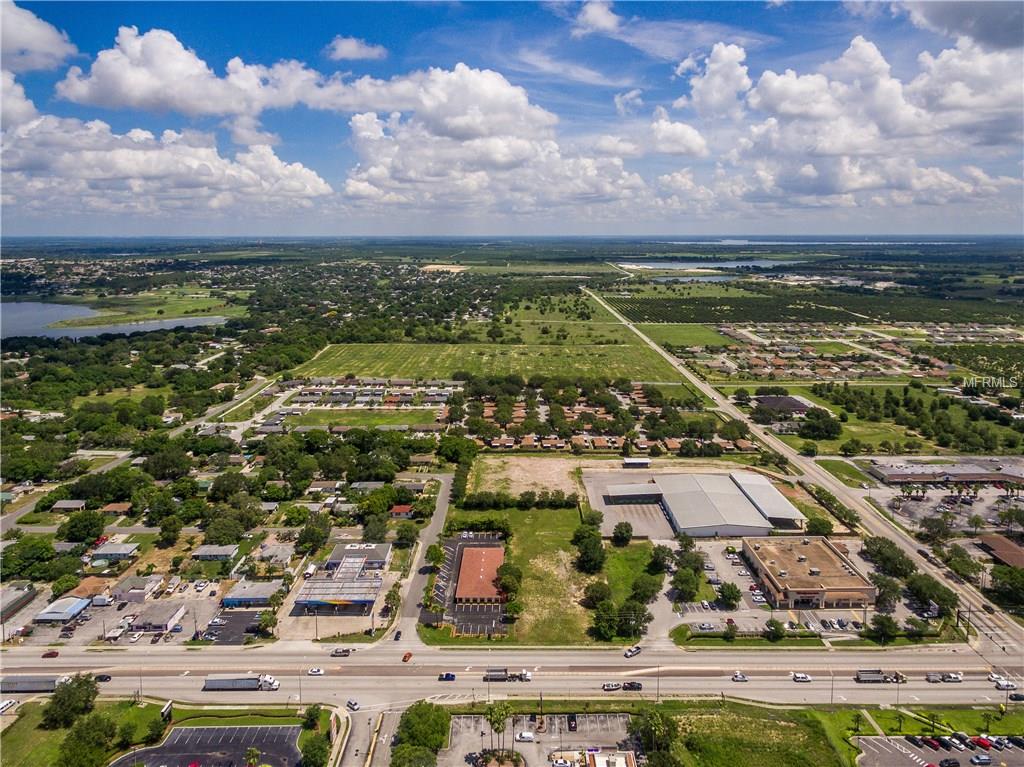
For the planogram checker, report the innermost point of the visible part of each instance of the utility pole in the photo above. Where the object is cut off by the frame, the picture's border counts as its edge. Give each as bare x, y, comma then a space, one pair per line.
300, 689
657, 695
832, 692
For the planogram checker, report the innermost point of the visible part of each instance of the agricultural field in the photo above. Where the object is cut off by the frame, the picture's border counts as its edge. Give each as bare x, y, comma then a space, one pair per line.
426, 361
366, 418
559, 333
997, 360
163, 304
685, 334
682, 290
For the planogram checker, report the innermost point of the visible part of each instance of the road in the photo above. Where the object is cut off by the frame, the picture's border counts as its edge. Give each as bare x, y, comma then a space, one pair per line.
999, 637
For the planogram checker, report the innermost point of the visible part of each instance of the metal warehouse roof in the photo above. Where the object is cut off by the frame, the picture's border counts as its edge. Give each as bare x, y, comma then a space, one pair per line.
63, 609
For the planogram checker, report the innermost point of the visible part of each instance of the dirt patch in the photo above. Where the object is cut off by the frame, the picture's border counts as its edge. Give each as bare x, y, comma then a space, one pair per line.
517, 473
453, 268
810, 507
161, 558
552, 597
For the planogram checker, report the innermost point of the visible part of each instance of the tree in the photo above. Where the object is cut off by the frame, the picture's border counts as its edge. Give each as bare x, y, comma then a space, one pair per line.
729, 594
976, 521
591, 555
622, 534
774, 630
858, 721
889, 590
595, 593
645, 588
888, 557
252, 756
926, 589
64, 584
818, 423
606, 620
316, 751
729, 632
226, 485
435, 555
393, 598
809, 449
154, 730
126, 734
819, 526
170, 529
514, 609
88, 742
267, 622
406, 755
311, 717
82, 526
686, 584
655, 729
1008, 583
69, 701
424, 724
634, 618
224, 531
661, 557
497, 715
509, 579
406, 535
884, 628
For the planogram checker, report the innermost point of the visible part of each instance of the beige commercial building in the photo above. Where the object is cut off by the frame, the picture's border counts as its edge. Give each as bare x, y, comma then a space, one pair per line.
811, 572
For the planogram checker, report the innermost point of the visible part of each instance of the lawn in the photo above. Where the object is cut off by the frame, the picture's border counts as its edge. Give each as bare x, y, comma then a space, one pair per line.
623, 565
359, 417
682, 636
845, 472
162, 304
969, 720
552, 587
25, 744
830, 347
685, 334
134, 393
243, 412
425, 361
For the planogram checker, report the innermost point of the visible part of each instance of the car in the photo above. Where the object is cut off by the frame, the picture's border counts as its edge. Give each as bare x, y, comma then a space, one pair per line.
353, 705
949, 762
801, 677
340, 652
218, 622
914, 740
632, 686
792, 625
183, 588
988, 608
740, 677
201, 585
447, 676
981, 742
525, 737
705, 627
51, 654
730, 621
952, 676
156, 638
1016, 740
611, 686
1006, 684
1017, 697
742, 572
709, 567
981, 759
315, 671
66, 635
136, 637
177, 628
757, 599
121, 606
407, 657
633, 651
704, 604
561, 763
945, 742
932, 743
994, 677
398, 635
857, 625
842, 623
570, 721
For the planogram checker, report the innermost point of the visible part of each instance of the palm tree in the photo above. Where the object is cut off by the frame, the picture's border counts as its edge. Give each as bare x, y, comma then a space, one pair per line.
252, 756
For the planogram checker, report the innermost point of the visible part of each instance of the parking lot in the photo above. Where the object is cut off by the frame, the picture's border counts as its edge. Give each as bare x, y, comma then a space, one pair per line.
481, 619
554, 736
219, 747
898, 752
938, 499
750, 616
233, 629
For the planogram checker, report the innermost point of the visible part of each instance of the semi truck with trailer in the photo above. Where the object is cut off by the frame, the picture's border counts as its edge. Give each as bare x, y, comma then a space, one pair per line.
877, 676
241, 682
502, 674
17, 684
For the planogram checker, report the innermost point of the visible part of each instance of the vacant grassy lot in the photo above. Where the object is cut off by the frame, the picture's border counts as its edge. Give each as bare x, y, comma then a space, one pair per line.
422, 361
134, 393
164, 304
623, 565
845, 472
552, 587
368, 418
685, 334
26, 744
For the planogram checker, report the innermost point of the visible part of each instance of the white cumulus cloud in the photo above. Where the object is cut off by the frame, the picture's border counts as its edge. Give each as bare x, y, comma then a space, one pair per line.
27, 42
352, 48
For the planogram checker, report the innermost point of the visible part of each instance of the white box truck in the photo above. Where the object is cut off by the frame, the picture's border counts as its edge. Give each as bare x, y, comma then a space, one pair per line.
241, 682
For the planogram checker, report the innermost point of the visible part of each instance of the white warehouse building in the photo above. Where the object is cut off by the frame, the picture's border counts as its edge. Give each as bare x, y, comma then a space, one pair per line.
733, 505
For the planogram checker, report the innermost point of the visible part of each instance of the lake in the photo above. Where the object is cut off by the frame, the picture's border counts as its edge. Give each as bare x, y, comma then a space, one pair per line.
32, 318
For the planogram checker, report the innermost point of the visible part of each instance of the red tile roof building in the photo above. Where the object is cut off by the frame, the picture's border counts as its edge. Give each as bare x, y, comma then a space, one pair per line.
478, 573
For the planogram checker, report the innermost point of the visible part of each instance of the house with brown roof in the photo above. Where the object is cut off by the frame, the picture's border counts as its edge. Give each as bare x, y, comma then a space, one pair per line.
478, 575
117, 508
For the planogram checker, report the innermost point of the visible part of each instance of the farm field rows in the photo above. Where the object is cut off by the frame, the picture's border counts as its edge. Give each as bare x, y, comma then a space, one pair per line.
425, 361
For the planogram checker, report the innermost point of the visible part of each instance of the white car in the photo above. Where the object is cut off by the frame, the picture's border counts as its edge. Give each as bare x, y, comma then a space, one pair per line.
611, 686
742, 571
994, 677
739, 677
136, 637
757, 599
315, 672
525, 737
1006, 684
353, 705
201, 585
561, 763
632, 652
801, 677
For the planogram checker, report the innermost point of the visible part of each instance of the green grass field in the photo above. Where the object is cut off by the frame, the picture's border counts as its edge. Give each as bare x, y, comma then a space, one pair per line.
423, 361
831, 347
552, 587
623, 565
163, 304
845, 472
26, 744
684, 334
136, 393
367, 418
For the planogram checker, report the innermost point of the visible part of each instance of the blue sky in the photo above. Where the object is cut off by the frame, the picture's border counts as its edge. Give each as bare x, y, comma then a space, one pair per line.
499, 118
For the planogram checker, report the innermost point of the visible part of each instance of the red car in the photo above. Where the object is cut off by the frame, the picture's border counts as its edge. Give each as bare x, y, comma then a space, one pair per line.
984, 743
51, 654
101, 540
407, 657
932, 743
